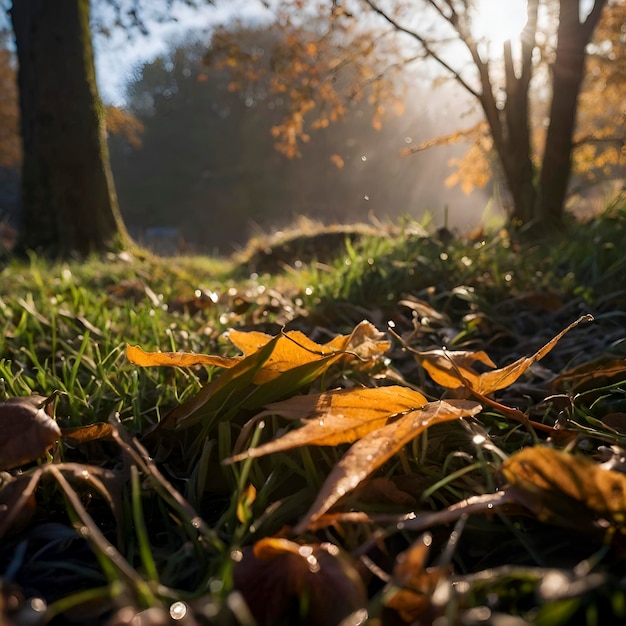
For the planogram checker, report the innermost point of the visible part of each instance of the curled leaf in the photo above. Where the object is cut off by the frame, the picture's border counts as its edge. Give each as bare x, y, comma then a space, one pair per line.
26, 431
453, 369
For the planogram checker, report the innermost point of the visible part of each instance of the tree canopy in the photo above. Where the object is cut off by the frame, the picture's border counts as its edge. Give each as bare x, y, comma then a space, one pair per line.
526, 87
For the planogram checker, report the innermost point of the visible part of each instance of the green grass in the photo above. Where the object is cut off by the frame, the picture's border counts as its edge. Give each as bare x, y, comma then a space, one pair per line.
168, 532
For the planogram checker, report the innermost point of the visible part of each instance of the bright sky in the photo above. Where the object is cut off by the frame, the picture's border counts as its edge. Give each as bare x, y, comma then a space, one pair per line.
118, 56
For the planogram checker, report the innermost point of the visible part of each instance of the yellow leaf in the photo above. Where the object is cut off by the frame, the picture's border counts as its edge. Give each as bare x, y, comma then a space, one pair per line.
292, 350
452, 369
137, 356
244, 504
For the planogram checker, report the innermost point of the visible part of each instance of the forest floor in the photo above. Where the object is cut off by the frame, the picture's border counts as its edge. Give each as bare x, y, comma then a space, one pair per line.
346, 428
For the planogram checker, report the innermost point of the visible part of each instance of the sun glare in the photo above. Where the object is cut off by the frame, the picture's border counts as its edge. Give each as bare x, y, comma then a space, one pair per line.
497, 21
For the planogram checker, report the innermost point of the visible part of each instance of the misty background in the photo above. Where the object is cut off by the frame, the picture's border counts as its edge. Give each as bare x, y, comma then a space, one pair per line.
204, 176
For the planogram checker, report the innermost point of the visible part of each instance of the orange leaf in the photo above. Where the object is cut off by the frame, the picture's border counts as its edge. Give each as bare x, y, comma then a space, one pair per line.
452, 369
137, 356
414, 584
335, 417
78, 435
293, 348
370, 452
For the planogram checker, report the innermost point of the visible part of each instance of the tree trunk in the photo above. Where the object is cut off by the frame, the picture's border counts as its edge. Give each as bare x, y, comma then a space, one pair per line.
68, 196
567, 77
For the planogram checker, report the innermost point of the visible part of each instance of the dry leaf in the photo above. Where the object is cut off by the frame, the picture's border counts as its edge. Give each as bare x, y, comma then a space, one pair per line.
334, 417
84, 434
452, 369
568, 489
377, 447
287, 583
414, 583
26, 431
139, 357
294, 348
593, 375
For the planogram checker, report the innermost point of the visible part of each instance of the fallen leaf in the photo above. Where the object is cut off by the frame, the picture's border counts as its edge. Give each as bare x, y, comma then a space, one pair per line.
377, 447
452, 369
335, 417
567, 489
140, 357
271, 368
78, 435
287, 583
295, 348
27, 432
412, 584
593, 375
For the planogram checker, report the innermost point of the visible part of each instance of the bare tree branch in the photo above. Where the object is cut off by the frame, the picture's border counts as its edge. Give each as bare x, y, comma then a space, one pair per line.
424, 43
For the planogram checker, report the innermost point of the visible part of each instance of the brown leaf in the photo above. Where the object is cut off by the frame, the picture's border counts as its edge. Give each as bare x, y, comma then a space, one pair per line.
414, 583
334, 417
377, 447
26, 431
590, 376
568, 489
287, 583
452, 368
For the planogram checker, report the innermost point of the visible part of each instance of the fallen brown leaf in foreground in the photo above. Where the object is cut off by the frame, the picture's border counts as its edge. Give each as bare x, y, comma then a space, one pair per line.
27, 432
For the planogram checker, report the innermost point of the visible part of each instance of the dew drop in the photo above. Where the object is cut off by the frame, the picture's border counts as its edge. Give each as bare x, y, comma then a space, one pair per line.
178, 610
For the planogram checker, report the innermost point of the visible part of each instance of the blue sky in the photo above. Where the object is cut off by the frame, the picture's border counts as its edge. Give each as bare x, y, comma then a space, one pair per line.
118, 55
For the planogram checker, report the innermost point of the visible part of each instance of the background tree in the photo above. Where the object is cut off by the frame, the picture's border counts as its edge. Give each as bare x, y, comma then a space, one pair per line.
68, 197
446, 33
69, 201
